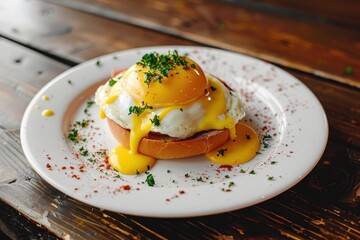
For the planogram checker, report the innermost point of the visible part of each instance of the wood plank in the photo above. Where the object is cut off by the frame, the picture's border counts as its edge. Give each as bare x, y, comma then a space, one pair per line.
321, 49
303, 212
71, 34
346, 11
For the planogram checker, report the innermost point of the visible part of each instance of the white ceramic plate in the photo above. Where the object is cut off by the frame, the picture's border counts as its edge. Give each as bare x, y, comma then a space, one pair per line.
276, 103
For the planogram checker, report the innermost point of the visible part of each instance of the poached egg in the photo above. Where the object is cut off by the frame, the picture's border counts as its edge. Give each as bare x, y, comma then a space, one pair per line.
170, 94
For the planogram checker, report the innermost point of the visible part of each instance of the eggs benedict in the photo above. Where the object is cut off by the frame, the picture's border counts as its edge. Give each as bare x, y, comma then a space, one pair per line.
165, 107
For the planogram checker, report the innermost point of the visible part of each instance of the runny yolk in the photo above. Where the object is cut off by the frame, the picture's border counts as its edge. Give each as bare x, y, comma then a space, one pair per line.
180, 87
239, 150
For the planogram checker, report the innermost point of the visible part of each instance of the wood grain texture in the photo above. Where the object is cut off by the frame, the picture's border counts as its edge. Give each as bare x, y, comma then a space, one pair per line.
346, 11
320, 49
323, 205
71, 34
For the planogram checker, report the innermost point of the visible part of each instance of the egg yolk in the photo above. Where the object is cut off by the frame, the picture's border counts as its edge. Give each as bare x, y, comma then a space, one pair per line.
238, 150
181, 85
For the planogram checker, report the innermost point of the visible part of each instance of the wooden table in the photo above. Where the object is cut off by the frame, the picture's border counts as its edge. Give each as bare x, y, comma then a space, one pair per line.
317, 41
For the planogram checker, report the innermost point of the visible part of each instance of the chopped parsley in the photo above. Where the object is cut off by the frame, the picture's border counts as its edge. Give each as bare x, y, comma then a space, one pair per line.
159, 65
200, 179
112, 82
150, 180
101, 153
270, 178
252, 172
221, 152
155, 120
265, 140
231, 184
138, 110
92, 160
168, 171
69, 82
73, 135
242, 171
83, 152
273, 162
83, 123
98, 63
227, 176
213, 88
187, 175
89, 103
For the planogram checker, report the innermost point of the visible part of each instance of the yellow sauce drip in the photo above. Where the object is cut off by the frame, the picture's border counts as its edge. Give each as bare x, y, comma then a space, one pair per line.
109, 100
239, 150
47, 113
215, 106
102, 114
46, 98
129, 162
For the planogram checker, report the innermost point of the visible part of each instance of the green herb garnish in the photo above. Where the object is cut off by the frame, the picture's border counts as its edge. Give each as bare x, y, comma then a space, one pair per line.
83, 152
265, 140
138, 110
73, 135
112, 82
84, 123
150, 180
155, 120
270, 178
252, 172
89, 103
159, 65
231, 184
221, 152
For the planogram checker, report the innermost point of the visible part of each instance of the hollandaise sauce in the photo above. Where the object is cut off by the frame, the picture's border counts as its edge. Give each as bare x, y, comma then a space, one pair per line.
238, 150
47, 113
